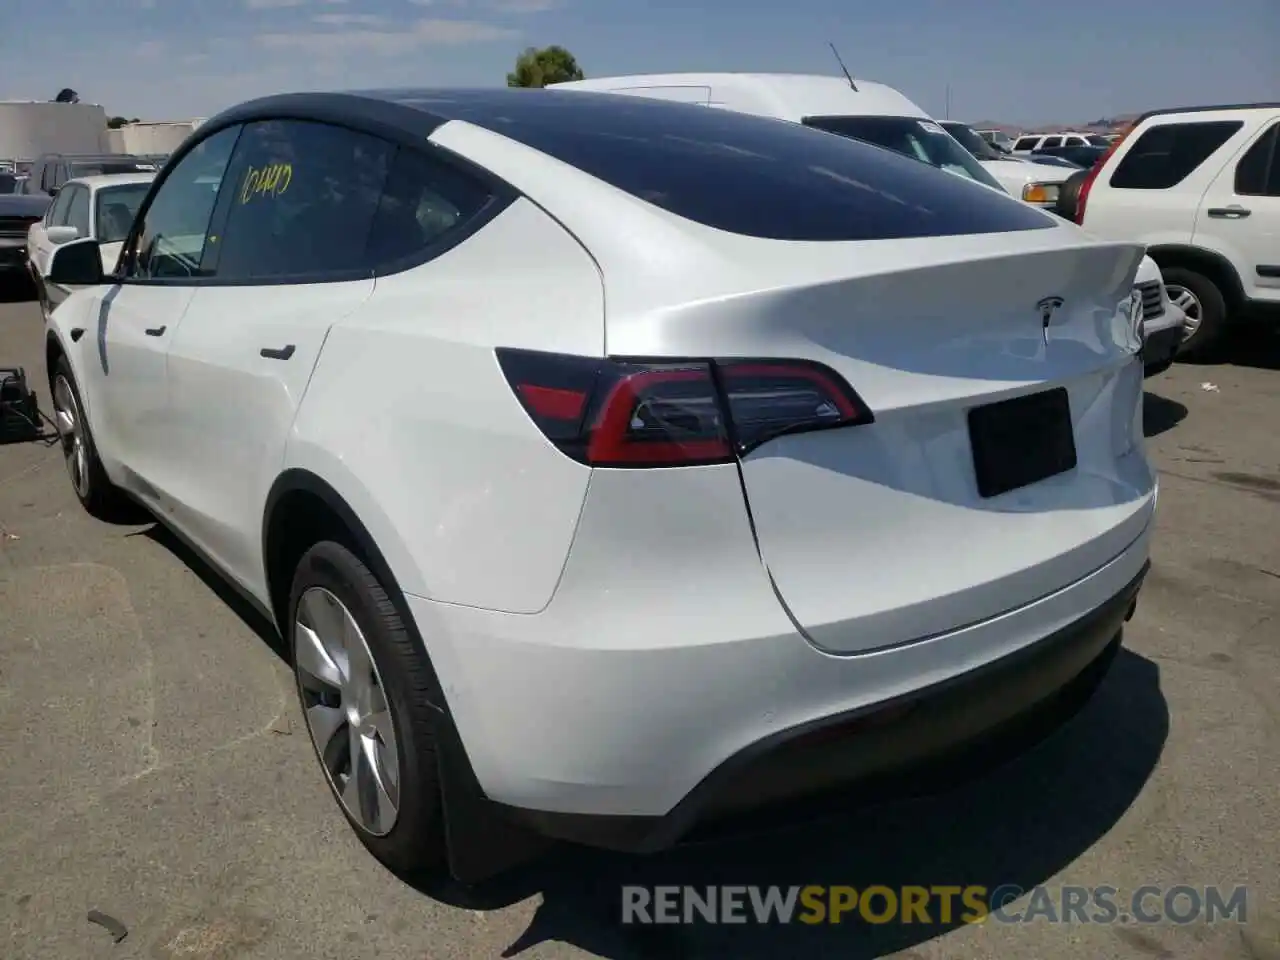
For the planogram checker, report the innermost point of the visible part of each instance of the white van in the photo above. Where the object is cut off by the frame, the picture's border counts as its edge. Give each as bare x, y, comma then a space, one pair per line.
859, 108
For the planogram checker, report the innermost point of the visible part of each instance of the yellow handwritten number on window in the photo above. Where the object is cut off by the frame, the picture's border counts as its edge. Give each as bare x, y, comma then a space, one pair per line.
268, 181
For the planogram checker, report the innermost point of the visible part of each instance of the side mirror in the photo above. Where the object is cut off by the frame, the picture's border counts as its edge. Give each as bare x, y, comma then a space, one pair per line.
53, 191
76, 264
62, 234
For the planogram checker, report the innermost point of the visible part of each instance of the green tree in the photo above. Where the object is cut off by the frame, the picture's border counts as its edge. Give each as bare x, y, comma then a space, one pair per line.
115, 123
537, 68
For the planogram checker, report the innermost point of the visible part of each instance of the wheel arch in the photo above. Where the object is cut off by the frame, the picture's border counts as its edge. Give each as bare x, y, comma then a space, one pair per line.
1208, 262
300, 506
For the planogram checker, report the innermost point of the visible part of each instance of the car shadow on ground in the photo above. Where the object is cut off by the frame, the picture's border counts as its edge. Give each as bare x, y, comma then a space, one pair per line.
1018, 824
160, 534
1251, 344
1160, 414
16, 290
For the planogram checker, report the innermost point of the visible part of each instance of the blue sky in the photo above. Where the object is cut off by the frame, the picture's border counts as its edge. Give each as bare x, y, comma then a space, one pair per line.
1020, 61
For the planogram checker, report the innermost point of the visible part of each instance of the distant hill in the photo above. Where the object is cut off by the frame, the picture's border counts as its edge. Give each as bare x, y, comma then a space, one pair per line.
1102, 125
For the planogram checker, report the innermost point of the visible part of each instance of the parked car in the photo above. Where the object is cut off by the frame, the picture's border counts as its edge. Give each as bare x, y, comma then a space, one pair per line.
1030, 143
17, 213
1050, 161
1081, 157
1201, 188
590, 498
998, 139
1021, 178
1163, 321
97, 208
52, 170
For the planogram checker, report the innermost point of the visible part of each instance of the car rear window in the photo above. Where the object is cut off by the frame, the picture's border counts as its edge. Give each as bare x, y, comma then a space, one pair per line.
1167, 154
743, 174
95, 168
913, 137
117, 206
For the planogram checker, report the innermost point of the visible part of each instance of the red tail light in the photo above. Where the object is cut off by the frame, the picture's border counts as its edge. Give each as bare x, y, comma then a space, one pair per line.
641, 413
1087, 183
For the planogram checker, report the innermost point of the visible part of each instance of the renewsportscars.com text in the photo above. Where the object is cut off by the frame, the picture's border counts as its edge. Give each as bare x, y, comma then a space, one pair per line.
945, 905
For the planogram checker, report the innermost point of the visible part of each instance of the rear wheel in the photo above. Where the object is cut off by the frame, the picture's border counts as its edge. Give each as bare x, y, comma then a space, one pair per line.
365, 696
1205, 307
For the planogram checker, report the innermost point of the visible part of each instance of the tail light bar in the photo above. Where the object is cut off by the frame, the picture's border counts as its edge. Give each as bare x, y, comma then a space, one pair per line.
651, 413
1087, 183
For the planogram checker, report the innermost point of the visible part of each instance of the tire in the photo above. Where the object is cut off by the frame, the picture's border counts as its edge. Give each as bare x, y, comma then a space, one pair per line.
95, 491
1069, 195
332, 582
1207, 299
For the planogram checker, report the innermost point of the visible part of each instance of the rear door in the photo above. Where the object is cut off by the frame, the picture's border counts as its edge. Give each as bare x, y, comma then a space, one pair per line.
293, 217
1239, 215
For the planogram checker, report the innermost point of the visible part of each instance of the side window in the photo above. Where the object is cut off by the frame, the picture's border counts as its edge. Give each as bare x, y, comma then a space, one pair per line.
1167, 154
300, 200
1258, 172
1051, 142
57, 215
174, 229
78, 209
1076, 142
47, 179
1026, 143
423, 200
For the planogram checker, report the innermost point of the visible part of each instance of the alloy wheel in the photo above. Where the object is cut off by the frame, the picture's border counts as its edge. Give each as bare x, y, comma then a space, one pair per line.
1189, 303
346, 709
75, 451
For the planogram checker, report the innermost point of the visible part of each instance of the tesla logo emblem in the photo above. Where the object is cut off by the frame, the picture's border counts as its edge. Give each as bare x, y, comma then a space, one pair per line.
1046, 307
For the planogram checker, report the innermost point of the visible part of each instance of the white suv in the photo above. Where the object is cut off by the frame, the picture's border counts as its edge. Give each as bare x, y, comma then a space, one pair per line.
1201, 188
592, 498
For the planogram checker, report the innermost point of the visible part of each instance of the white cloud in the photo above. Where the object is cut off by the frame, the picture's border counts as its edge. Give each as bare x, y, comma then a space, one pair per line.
501, 6
422, 33
349, 19
524, 6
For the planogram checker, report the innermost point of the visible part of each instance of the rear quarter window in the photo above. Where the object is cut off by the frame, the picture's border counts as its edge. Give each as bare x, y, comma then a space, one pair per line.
752, 176
1165, 155
1026, 143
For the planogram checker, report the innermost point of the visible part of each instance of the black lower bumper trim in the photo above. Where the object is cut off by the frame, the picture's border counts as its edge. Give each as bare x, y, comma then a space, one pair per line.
1159, 349
889, 740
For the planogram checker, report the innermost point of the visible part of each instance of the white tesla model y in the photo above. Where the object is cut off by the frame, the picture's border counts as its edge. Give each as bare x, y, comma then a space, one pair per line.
607, 463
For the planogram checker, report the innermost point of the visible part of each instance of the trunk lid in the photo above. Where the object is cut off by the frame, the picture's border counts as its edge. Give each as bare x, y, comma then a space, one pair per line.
878, 535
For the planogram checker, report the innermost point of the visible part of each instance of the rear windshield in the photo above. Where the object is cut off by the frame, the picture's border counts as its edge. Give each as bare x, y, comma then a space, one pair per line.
95, 168
8, 183
912, 137
975, 144
743, 174
117, 207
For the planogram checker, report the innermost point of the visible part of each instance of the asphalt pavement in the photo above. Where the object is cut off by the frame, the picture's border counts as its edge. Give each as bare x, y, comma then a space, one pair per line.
155, 767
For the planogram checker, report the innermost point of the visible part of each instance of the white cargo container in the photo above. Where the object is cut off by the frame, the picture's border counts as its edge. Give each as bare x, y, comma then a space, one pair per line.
148, 138
30, 128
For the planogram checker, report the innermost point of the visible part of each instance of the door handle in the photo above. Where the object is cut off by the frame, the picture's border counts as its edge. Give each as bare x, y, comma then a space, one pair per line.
155, 331
283, 353
1228, 213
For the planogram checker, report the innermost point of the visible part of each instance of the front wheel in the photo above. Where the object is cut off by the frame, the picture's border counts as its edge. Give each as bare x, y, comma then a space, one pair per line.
363, 686
95, 491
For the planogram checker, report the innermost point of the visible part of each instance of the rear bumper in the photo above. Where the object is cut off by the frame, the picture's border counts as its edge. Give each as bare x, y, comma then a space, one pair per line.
874, 745
659, 681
